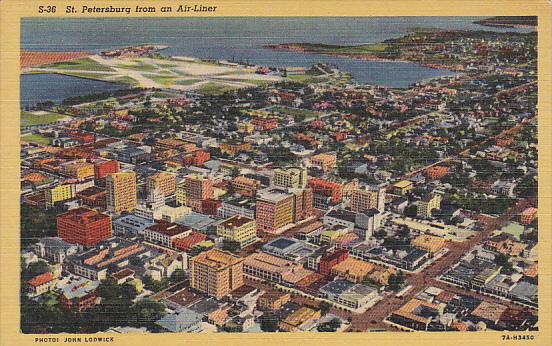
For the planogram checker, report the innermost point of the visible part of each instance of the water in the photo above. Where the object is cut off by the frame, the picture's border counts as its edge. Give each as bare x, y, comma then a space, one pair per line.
243, 38
53, 87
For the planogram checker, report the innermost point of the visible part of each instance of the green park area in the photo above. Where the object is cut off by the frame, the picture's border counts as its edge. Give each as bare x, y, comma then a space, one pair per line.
85, 64
214, 88
39, 118
36, 138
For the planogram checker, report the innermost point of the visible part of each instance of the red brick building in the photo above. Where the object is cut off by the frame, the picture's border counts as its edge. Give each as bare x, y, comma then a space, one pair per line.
83, 226
331, 260
264, 124
326, 188
210, 206
103, 168
436, 172
198, 158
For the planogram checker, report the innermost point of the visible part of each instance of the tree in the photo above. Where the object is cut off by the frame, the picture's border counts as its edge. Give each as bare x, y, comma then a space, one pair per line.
411, 210
35, 269
230, 245
396, 281
146, 312
178, 275
324, 307
269, 322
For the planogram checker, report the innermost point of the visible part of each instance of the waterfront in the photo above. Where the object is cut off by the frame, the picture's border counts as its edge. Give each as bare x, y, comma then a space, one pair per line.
235, 38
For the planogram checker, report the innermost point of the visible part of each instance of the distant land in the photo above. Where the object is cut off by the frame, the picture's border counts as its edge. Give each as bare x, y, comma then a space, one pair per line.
509, 22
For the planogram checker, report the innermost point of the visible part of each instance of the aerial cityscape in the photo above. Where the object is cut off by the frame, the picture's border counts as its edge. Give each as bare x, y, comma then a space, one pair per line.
231, 175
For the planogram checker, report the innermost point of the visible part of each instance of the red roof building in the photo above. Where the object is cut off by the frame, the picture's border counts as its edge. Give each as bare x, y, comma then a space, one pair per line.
83, 226
186, 243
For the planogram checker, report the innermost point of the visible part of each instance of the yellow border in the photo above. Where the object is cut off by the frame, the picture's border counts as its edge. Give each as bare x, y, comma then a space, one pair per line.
12, 10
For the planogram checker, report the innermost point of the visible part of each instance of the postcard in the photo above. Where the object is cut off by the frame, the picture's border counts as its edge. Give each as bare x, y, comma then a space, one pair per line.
209, 173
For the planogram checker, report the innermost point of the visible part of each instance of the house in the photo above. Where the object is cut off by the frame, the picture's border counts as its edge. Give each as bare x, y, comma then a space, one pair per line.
185, 321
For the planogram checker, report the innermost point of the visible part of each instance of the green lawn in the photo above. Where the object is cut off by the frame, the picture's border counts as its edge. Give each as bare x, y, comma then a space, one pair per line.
126, 80
163, 80
214, 89
187, 81
85, 64
513, 228
31, 119
307, 113
142, 67
38, 139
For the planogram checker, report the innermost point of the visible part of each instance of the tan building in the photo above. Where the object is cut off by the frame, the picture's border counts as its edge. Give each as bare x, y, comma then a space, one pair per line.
245, 186
272, 300
353, 270
217, 273
79, 169
324, 161
295, 321
402, 187
233, 147
197, 188
274, 210
165, 182
428, 204
121, 192
368, 198
290, 177
239, 229
429, 243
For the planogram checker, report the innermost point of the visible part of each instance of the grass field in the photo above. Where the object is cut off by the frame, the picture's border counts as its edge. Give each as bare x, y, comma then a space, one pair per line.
163, 80
85, 64
31, 119
214, 89
188, 81
307, 113
142, 67
39, 139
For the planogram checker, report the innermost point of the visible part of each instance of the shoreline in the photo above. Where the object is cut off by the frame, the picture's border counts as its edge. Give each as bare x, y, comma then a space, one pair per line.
296, 48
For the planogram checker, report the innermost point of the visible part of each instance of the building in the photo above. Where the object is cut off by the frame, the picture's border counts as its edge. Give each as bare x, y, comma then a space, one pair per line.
330, 260
54, 249
197, 188
436, 172
366, 223
79, 169
302, 203
104, 167
131, 225
264, 266
264, 124
83, 226
290, 249
368, 198
402, 187
527, 216
41, 284
164, 233
59, 193
233, 148
272, 300
121, 192
243, 206
184, 321
416, 314
295, 321
428, 204
324, 161
274, 210
326, 188
181, 193
94, 197
238, 229
352, 269
78, 295
245, 186
290, 177
340, 218
165, 182
429, 243
216, 273
350, 295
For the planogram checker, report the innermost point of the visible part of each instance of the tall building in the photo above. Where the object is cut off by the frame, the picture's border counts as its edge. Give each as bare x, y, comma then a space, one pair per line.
59, 193
428, 204
238, 229
165, 182
83, 226
197, 188
181, 193
274, 210
121, 192
290, 177
368, 198
302, 203
245, 186
326, 188
217, 273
